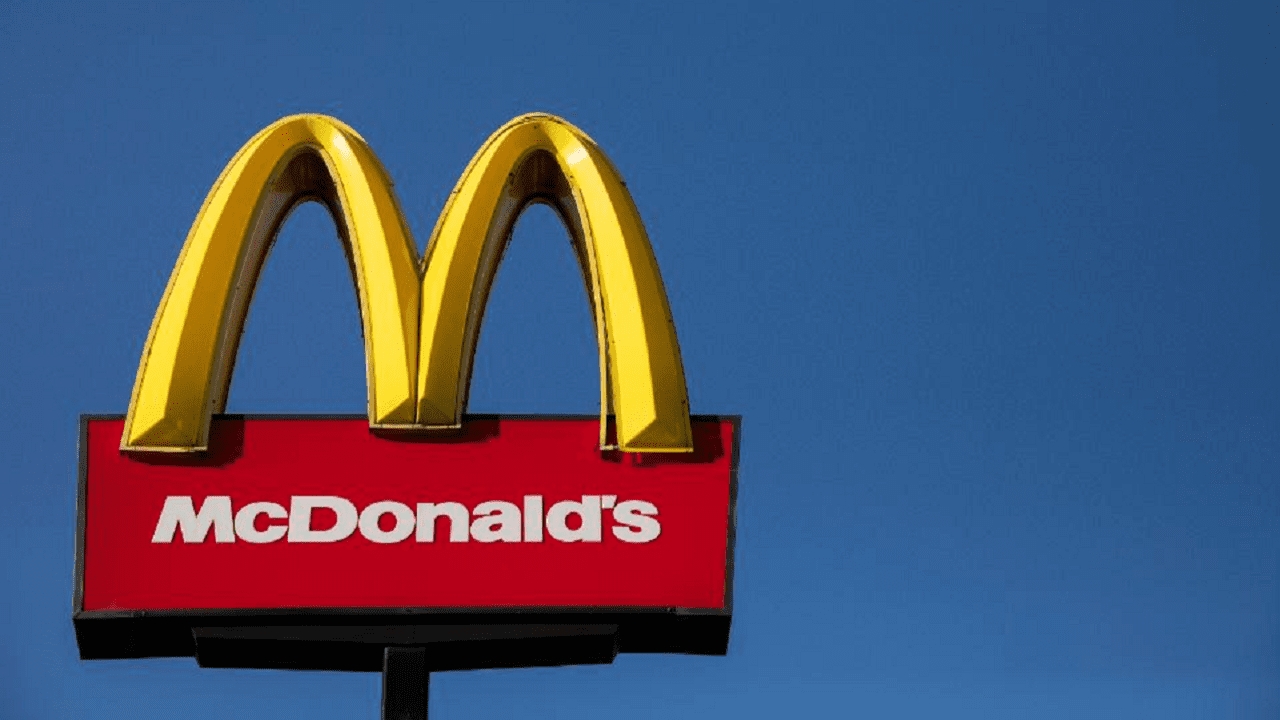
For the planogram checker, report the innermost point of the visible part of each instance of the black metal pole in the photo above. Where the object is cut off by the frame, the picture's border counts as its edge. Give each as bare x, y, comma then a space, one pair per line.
404, 683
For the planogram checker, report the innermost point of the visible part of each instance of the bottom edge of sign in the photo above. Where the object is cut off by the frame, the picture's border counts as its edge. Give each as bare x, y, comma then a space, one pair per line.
354, 643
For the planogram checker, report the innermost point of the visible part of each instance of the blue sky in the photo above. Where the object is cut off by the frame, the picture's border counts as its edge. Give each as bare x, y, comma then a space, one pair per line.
995, 290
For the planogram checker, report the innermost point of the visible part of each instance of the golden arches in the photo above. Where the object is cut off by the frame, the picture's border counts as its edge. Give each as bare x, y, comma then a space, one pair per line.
421, 320
541, 158
187, 361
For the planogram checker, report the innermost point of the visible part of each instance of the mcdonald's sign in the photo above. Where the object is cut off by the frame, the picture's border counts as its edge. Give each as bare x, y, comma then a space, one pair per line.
483, 541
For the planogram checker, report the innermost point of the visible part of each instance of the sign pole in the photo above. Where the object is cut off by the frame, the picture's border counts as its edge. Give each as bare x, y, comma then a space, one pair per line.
405, 681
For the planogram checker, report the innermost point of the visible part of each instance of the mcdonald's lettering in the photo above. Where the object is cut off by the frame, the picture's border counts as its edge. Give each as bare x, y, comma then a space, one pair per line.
634, 521
316, 542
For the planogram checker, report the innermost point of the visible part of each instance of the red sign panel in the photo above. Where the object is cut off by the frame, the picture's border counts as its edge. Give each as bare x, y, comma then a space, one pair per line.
321, 513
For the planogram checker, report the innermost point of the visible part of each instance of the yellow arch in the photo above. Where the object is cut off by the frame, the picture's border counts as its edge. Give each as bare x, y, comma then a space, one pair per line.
420, 327
542, 158
187, 361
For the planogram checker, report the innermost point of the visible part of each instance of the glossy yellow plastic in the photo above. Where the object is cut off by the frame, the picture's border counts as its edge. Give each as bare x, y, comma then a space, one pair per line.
186, 364
541, 158
420, 327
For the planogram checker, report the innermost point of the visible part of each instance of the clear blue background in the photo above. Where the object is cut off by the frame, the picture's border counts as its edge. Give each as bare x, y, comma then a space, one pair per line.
994, 288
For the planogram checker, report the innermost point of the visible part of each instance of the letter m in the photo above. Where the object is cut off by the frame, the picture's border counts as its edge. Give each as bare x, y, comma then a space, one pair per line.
179, 512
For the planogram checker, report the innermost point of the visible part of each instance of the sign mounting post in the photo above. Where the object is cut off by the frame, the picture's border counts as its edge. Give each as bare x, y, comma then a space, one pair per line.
405, 684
